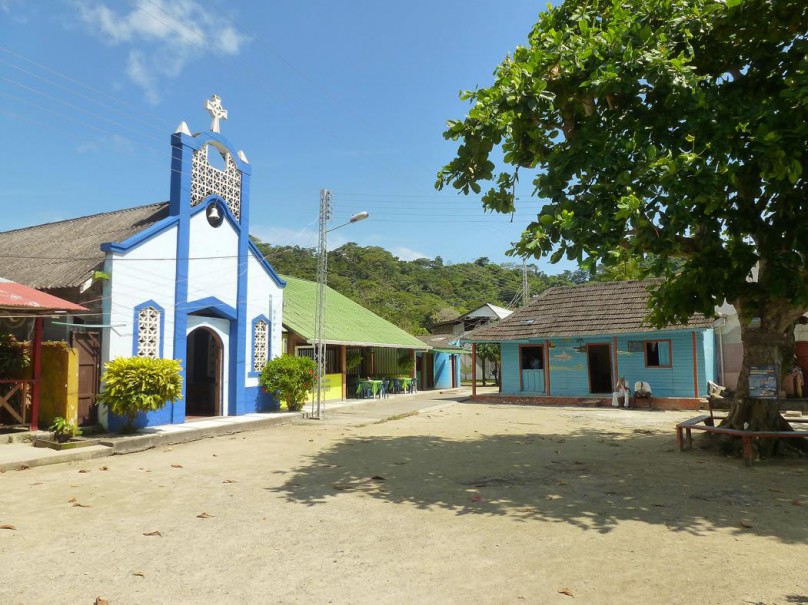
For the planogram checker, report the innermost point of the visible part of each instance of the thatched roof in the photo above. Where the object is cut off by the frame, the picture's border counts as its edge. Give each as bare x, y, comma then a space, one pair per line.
67, 253
589, 309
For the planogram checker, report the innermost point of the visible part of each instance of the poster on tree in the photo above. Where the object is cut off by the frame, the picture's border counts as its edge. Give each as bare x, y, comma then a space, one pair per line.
763, 382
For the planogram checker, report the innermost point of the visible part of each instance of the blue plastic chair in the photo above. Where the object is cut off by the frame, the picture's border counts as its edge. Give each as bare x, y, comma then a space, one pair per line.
384, 391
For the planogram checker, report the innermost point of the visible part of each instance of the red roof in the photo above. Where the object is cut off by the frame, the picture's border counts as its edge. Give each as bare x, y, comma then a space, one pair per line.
14, 296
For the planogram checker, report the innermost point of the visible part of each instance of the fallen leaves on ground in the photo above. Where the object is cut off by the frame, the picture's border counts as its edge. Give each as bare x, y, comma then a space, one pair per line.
139, 574
84, 470
8, 526
796, 502
153, 533
746, 523
101, 601
204, 516
23, 467
566, 591
80, 505
378, 478
103, 468
229, 481
176, 466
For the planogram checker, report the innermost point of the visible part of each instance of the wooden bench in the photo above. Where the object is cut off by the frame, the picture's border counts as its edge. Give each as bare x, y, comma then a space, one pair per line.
684, 433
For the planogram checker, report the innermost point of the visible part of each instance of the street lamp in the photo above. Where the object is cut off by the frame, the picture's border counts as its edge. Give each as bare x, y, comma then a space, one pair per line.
322, 275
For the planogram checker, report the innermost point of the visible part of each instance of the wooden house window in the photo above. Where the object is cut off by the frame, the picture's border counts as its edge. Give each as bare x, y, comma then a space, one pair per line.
532, 358
658, 354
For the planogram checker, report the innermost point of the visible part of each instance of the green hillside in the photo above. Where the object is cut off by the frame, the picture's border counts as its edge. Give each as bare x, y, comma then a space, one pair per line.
414, 294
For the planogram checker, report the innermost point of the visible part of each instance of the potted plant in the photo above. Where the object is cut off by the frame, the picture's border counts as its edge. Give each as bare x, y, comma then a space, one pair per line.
290, 378
65, 434
64, 430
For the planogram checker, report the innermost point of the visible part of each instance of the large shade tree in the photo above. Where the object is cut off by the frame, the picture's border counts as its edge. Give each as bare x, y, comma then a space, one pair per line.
661, 129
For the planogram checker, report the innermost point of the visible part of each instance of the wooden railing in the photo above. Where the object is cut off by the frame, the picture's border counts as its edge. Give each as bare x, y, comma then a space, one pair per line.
15, 401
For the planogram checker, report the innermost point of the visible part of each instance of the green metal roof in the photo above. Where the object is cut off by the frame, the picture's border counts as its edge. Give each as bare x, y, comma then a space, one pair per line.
346, 322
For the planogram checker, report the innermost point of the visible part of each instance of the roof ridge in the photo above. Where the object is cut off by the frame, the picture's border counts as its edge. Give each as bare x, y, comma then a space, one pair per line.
79, 218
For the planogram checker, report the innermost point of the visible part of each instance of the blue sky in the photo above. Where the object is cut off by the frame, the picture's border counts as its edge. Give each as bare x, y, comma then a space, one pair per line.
350, 96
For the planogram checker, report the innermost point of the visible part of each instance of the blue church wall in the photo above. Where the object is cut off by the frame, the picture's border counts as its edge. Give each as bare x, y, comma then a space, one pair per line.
143, 419
569, 371
258, 400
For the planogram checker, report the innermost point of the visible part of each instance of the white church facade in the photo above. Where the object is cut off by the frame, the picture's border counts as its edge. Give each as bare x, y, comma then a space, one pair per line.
182, 280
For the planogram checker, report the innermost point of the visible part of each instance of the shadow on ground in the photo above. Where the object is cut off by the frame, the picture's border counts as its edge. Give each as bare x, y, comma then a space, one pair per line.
591, 479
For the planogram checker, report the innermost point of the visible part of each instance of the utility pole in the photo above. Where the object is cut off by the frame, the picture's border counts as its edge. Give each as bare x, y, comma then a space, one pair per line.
322, 275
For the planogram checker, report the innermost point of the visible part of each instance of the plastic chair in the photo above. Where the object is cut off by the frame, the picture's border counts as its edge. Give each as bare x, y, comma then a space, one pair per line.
384, 391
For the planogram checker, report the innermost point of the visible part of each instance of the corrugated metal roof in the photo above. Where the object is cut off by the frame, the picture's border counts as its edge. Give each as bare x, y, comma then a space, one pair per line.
65, 254
17, 297
442, 343
346, 322
586, 309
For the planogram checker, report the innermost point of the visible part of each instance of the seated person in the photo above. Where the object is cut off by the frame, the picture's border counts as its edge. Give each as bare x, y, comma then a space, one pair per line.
642, 390
621, 390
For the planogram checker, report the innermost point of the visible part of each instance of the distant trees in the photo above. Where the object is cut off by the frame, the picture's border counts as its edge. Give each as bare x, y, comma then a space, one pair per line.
415, 294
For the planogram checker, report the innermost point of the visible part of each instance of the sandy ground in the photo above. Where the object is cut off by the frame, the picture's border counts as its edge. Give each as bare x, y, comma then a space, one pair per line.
470, 503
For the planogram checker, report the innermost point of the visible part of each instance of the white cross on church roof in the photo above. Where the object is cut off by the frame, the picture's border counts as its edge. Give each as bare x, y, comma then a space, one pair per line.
216, 111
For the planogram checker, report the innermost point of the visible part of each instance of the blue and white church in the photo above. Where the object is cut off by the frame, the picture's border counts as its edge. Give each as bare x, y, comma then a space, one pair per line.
192, 286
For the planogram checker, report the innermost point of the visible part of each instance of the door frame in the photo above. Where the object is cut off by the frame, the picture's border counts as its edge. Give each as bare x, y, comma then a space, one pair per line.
221, 330
94, 383
608, 346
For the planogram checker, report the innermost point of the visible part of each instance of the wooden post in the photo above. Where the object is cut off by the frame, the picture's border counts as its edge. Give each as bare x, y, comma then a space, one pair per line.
474, 369
36, 370
695, 367
546, 366
616, 363
343, 361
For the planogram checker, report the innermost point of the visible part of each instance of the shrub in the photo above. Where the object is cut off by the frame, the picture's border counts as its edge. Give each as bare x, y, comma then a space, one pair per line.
139, 384
64, 429
14, 357
291, 378
406, 362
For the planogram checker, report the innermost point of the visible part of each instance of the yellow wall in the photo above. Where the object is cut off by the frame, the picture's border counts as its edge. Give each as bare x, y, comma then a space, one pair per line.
59, 389
332, 390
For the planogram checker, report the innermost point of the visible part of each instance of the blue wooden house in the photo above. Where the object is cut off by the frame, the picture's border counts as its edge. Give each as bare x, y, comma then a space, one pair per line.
571, 344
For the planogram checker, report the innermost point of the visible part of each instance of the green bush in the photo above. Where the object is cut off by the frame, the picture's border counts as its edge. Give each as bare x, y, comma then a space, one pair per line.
290, 378
140, 384
64, 429
14, 357
406, 362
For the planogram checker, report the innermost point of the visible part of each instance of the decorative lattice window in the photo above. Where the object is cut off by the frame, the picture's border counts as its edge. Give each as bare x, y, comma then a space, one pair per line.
208, 180
148, 332
260, 344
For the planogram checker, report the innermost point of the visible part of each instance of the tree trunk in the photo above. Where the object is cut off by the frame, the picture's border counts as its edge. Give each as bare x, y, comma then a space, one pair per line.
483, 365
763, 348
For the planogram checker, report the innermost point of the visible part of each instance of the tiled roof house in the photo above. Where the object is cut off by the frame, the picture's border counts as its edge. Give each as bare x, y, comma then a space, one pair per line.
574, 342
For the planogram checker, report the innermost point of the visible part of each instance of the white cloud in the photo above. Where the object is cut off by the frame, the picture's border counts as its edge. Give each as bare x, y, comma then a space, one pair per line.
17, 10
407, 253
283, 236
163, 36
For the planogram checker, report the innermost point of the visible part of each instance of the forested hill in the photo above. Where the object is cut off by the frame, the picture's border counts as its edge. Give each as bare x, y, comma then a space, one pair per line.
414, 294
